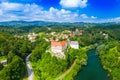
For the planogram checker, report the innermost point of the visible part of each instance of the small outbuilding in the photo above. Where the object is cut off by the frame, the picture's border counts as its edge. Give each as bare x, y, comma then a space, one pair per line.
74, 44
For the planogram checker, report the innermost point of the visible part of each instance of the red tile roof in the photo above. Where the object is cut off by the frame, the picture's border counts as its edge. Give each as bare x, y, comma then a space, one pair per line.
61, 43
71, 35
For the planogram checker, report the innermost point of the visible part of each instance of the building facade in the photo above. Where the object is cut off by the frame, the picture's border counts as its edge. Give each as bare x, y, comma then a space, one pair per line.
58, 48
32, 37
74, 44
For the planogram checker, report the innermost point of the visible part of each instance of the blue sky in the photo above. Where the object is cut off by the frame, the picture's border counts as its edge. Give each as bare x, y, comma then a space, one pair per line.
60, 10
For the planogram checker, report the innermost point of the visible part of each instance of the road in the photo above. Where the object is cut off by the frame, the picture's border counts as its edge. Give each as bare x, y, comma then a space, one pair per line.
29, 68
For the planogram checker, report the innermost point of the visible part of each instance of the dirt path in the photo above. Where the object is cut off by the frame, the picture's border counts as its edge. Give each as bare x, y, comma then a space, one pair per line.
67, 71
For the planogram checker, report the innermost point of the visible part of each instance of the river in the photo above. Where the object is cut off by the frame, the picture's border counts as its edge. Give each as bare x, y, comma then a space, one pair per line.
93, 70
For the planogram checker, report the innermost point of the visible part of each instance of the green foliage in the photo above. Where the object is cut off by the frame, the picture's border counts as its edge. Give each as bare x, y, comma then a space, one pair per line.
14, 71
47, 67
39, 50
80, 58
1, 66
10, 56
16, 50
44, 65
3, 58
110, 57
19, 47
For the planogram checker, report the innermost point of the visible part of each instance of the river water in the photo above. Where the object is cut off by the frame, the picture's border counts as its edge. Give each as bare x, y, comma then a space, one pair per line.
93, 70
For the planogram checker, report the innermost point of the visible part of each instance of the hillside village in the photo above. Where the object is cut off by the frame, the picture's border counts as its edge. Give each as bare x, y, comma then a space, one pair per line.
59, 42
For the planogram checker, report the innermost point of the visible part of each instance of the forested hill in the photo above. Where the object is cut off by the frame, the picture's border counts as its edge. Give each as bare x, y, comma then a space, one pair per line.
43, 23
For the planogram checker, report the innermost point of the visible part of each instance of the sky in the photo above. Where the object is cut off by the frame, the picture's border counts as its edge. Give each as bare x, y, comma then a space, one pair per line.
60, 10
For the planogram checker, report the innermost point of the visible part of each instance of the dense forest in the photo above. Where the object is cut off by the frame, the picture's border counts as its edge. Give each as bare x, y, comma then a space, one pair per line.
110, 57
15, 50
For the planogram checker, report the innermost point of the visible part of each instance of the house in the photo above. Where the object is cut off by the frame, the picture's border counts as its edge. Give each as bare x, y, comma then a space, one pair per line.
64, 36
58, 48
52, 33
4, 62
32, 37
79, 32
49, 28
20, 37
74, 44
105, 35
71, 35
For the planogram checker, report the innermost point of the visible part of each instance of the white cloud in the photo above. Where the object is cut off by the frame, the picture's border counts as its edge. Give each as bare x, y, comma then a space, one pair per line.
31, 12
60, 15
1, 13
84, 16
93, 17
10, 6
73, 3
117, 19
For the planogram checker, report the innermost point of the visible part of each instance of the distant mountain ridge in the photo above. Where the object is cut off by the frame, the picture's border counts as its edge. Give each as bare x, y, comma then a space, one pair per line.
33, 23
23, 23
45, 23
